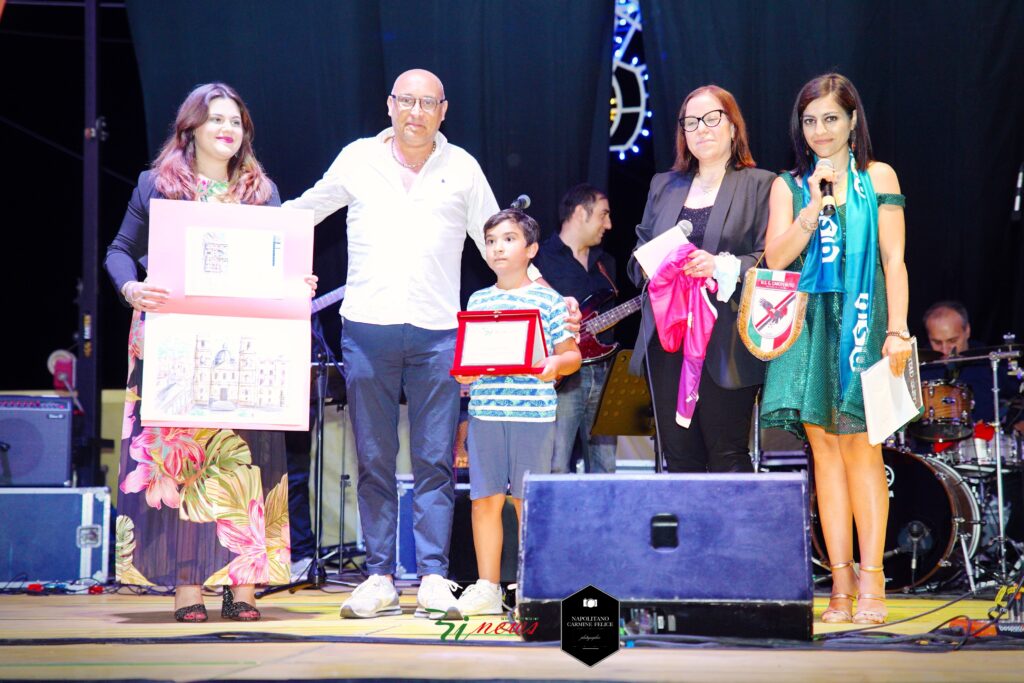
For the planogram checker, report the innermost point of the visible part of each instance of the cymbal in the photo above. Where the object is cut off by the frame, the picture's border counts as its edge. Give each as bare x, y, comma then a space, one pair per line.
974, 354
984, 350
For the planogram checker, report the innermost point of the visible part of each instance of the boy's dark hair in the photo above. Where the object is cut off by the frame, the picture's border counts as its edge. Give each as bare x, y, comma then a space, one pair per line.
584, 195
531, 231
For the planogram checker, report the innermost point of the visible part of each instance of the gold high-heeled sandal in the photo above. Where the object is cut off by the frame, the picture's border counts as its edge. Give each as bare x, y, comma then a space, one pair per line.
838, 616
865, 616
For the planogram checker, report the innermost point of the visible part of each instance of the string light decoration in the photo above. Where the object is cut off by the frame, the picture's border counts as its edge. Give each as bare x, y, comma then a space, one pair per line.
629, 103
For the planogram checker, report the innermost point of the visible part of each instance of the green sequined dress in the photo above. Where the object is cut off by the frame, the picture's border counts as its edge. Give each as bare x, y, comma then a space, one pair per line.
802, 385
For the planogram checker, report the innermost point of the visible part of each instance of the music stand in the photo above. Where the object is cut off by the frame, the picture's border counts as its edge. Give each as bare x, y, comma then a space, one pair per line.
625, 406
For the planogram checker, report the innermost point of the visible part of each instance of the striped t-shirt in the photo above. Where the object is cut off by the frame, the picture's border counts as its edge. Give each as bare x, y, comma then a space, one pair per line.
519, 398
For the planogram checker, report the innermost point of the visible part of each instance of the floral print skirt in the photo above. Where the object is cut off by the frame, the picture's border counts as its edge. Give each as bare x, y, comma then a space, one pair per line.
198, 505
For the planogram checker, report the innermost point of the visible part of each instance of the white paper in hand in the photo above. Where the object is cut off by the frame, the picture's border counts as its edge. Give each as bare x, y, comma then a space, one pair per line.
887, 401
652, 253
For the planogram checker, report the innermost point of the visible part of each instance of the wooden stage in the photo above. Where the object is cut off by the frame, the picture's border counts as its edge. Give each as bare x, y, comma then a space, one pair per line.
301, 637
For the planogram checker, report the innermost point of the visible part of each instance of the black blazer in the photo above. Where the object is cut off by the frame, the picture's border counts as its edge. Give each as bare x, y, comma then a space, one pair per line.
131, 244
737, 225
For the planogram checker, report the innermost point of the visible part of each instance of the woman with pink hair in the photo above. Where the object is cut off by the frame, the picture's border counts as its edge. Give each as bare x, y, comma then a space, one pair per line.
198, 506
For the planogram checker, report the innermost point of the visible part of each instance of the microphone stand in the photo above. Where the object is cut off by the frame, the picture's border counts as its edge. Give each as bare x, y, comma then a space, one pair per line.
915, 533
659, 464
316, 577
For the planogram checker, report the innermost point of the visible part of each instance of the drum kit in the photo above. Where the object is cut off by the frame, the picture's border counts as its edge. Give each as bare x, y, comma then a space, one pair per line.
939, 502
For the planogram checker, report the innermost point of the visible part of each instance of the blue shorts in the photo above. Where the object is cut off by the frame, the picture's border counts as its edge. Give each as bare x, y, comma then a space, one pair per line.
502, 452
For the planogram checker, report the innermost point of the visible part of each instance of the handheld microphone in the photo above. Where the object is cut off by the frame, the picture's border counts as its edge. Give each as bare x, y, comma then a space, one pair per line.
686, 226
522, 202
828, 202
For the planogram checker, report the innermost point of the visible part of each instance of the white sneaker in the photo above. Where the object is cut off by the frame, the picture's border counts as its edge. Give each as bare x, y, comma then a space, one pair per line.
375, 597
482, 597
300, 569
434, 599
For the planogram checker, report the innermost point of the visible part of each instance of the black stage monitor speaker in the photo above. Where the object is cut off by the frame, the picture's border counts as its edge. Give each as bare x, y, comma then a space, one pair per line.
697, 554
35, 441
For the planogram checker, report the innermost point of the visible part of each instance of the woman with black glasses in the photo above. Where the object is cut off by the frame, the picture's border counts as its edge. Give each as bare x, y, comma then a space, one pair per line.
715, 186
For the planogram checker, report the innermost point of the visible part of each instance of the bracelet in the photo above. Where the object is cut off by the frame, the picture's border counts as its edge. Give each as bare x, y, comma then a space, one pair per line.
806, 225
902, 334
124, 293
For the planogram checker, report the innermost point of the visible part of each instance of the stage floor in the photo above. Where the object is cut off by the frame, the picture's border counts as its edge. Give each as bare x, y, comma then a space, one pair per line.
301, 637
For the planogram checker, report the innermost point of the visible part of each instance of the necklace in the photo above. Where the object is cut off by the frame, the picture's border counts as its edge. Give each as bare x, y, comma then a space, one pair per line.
707, 188
411, 167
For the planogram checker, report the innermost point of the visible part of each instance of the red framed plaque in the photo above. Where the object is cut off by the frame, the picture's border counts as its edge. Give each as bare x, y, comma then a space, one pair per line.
500, 343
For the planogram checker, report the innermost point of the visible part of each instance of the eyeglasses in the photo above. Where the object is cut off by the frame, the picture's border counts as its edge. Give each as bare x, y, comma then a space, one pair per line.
427, 104
711, 119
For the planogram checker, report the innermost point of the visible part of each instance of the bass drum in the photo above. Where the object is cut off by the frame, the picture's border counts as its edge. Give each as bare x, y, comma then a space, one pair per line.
927, 499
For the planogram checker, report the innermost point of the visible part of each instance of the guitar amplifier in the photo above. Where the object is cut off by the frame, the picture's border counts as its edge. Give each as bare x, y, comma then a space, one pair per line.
54, 535
35, 441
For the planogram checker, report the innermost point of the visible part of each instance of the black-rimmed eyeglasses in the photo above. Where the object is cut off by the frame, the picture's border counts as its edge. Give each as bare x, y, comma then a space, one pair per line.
427, 104
711, 119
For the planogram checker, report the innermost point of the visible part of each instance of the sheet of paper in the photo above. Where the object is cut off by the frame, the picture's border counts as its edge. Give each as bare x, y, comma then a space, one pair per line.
230, 348
492, 343
650, 255
221, 371
888, 404
240, 263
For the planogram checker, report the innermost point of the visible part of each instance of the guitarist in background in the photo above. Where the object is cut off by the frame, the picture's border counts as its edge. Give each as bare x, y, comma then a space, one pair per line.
573, 262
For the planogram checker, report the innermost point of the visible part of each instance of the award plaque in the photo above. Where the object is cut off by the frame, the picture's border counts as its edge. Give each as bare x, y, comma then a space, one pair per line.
500, 343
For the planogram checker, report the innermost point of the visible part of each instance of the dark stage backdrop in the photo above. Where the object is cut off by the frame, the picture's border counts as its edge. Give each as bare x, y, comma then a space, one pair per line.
528, 85
942, 86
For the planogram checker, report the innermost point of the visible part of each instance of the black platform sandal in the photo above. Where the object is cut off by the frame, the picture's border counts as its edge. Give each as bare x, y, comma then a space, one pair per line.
194, 614
237, 611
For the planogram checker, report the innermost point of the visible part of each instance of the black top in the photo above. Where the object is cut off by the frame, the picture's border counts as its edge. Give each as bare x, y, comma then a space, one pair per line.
562, 271
699, 218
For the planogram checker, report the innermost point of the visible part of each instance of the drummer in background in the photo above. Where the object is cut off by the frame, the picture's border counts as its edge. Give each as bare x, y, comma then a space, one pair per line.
949, 333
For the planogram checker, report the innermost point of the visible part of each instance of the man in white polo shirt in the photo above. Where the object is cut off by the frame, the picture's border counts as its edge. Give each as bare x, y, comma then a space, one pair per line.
412, 198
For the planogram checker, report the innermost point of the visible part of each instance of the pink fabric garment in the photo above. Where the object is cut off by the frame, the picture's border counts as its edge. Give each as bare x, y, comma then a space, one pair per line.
683, 314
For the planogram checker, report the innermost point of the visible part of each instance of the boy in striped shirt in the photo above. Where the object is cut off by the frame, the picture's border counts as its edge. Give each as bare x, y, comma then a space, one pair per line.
511, 417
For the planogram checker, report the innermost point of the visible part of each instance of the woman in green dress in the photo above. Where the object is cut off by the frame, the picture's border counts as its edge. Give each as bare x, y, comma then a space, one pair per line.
852, 267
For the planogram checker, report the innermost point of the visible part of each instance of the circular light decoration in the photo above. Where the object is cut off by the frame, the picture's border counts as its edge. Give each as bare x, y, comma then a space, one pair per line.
629, 112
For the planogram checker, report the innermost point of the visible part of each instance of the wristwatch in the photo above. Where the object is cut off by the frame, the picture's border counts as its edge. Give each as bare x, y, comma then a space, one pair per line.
902, 334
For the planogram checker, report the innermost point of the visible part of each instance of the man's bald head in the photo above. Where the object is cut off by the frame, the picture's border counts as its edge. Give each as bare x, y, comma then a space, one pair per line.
418, 79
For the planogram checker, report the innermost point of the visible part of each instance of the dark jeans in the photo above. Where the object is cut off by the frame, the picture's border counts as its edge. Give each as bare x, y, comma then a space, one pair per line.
579, 396
381, 361
717, 439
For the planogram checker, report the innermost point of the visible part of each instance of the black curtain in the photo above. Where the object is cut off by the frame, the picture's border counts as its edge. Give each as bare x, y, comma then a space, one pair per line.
941, 84
527, 81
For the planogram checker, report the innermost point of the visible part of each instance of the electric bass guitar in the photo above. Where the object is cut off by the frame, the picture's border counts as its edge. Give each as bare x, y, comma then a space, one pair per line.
594, 323
321, 302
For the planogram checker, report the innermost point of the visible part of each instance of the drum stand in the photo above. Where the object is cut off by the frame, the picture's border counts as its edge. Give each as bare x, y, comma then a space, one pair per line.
1000, 539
